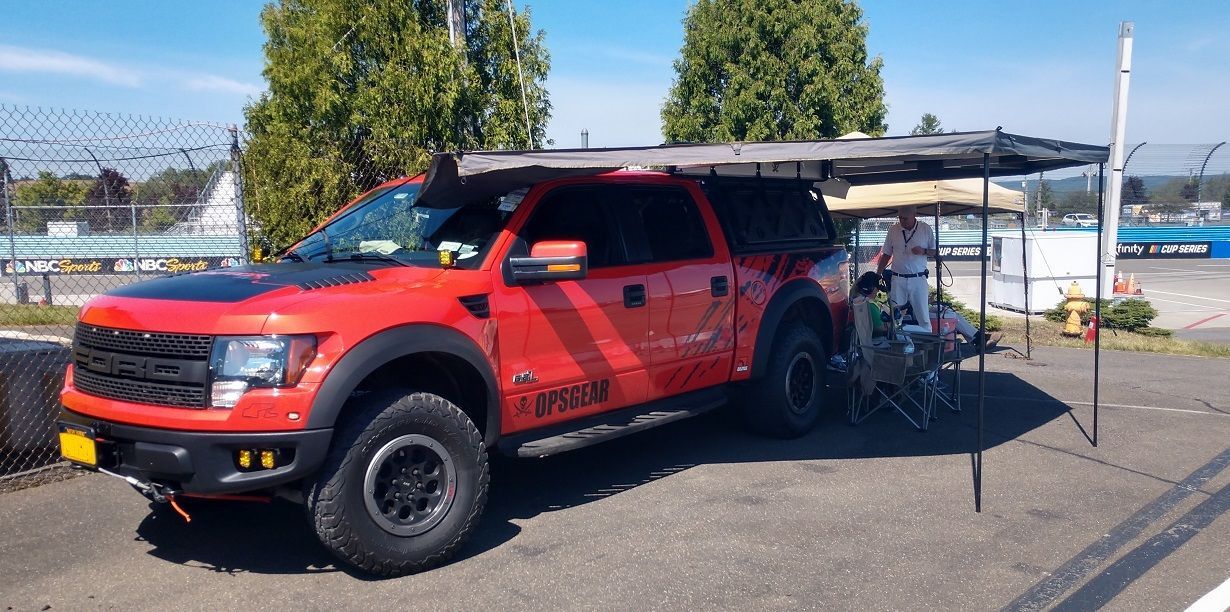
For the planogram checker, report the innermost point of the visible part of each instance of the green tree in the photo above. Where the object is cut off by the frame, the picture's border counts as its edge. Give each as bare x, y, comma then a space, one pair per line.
362, 92
773, 70
1045, 196
1190, 191
111, 193
47, 198
1076, 202
1134, 192
928, 124
171, 196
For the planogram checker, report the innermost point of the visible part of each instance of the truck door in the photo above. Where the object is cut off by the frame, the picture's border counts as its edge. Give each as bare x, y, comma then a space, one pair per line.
574, 348
690, 284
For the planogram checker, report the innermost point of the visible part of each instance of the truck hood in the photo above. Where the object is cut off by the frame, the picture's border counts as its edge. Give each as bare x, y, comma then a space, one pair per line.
237, 300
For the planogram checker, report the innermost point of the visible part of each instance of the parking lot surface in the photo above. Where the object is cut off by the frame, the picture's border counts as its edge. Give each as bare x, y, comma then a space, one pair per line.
700, 515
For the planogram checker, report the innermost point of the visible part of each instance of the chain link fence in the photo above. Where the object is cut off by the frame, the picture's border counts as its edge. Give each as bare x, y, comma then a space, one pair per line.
93, 201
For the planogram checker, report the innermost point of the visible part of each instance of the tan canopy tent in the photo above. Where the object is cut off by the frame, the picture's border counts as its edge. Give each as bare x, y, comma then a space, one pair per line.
952, 196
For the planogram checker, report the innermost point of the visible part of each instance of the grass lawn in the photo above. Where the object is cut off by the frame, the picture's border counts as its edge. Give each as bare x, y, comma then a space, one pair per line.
20, 315
1046, 333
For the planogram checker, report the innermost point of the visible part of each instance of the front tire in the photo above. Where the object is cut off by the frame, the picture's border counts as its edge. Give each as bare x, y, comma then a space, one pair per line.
787, 400
403, 486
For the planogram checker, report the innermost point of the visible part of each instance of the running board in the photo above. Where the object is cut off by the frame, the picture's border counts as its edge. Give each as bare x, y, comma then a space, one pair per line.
605, 427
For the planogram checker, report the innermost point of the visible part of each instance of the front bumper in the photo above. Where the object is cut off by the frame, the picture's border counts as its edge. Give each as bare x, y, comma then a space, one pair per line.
200, 462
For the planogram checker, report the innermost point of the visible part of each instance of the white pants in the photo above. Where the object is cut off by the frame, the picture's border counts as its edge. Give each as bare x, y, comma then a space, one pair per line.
965, 328
912, 291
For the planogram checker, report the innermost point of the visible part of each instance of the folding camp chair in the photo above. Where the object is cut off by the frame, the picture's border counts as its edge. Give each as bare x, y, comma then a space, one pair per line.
884, 374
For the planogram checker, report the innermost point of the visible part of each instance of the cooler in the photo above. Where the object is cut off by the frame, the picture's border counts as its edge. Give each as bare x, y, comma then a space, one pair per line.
946, 326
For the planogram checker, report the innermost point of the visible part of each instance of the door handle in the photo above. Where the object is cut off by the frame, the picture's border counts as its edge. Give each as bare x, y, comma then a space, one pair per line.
634, 296
719, 286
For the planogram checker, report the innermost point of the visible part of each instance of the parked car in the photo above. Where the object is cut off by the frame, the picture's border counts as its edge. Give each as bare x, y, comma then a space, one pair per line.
1080, 220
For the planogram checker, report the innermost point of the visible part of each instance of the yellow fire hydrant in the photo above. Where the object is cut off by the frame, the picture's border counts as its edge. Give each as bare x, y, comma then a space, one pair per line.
1076, 307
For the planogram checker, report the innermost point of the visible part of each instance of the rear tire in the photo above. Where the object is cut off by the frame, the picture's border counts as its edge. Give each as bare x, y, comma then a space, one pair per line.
403, 486
787, 399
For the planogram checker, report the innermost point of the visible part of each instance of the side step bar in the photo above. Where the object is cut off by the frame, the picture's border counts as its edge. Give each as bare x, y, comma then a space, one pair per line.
604, 427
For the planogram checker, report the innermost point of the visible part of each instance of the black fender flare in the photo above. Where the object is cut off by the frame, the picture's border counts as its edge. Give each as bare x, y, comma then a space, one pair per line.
394, 343
785, 297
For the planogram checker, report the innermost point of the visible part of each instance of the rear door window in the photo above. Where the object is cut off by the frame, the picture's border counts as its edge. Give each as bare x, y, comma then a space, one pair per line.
766, 215
661, 224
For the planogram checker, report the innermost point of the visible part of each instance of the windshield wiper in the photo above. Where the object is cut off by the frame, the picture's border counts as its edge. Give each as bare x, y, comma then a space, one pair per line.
375, 256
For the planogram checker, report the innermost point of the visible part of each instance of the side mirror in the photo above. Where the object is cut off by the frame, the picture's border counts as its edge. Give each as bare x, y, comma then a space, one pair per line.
552, 260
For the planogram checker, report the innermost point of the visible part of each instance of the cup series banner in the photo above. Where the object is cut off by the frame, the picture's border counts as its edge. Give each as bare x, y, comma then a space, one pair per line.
1126, 250
1165, 250
116, 265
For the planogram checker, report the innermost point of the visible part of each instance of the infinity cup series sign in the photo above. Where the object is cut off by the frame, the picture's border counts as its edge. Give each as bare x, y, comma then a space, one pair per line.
1126, 250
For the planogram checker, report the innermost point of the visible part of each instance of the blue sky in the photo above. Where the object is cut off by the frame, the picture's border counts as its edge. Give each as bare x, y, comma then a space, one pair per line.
1041, 68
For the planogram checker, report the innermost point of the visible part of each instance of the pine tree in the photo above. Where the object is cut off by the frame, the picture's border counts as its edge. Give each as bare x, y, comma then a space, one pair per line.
928, 124
774, 70
362, 92
1134, 192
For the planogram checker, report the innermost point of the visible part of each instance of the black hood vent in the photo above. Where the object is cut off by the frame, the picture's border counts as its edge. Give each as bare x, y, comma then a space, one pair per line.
476, 304
348, 278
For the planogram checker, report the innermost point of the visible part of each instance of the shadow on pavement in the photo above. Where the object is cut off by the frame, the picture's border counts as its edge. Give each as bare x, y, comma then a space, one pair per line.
274, 538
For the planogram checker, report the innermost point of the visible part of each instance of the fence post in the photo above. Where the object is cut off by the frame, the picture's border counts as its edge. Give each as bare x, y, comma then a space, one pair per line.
136, 240
9, 220
241, 216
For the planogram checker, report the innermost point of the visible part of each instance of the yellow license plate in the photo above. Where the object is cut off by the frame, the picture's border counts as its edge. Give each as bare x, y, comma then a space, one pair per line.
77, 444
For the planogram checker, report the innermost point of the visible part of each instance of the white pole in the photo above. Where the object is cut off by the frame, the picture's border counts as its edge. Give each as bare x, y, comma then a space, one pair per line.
512, 23
1118, 131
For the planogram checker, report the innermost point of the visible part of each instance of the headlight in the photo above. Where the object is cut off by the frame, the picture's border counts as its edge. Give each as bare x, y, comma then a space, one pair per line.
240, 363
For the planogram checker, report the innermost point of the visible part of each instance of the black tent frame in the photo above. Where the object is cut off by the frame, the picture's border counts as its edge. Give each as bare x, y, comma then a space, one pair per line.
454, 178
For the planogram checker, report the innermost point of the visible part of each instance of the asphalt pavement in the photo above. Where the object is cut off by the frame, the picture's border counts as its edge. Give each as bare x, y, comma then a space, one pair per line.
699, 514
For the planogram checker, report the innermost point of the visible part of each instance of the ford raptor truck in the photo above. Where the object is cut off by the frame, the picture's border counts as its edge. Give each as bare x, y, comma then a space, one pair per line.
373, 367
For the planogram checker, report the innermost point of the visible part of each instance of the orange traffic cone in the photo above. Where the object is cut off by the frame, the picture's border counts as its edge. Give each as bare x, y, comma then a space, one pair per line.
1092, 329
1120, 286
1131, 284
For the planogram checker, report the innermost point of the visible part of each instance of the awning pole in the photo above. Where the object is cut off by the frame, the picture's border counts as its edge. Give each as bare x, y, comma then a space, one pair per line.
858, 228
939, 274
982, 324
1097, 303
1025, 278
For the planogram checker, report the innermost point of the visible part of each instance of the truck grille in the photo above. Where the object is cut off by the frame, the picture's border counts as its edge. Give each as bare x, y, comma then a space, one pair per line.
183, 346
140, 391
143, 367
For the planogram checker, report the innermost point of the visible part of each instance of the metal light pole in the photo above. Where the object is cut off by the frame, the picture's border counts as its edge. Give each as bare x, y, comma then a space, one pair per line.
584, 138
1109, 211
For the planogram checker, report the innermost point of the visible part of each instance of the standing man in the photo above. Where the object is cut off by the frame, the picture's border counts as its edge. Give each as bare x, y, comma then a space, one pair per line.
908, 244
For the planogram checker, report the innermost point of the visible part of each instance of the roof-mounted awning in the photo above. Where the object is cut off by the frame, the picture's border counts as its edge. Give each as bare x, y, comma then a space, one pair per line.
858, 161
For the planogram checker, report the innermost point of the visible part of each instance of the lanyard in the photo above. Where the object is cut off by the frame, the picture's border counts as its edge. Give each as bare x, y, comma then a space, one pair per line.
909, 237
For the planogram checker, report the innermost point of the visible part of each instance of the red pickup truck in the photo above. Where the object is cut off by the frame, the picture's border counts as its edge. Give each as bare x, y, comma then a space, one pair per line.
371, 369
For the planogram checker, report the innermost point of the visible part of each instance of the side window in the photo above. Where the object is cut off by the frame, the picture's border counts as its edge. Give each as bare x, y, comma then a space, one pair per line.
577, 213
662, 224
766, 215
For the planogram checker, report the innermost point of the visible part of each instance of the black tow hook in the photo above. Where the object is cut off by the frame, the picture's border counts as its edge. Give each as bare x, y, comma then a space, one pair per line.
153, 491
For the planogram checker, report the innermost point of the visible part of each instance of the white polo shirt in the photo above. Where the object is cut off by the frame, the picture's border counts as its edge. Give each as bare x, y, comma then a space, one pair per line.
899, 242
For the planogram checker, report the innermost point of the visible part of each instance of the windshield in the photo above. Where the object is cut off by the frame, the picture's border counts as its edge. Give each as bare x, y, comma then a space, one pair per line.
387, 226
